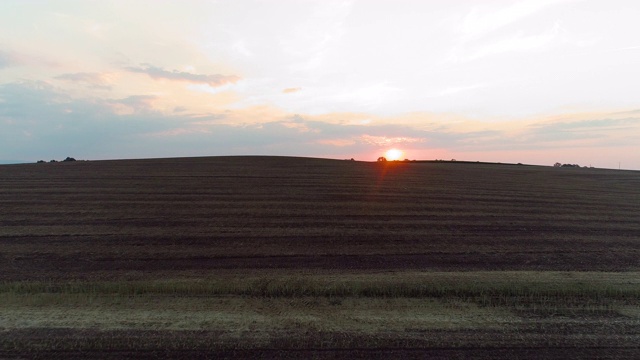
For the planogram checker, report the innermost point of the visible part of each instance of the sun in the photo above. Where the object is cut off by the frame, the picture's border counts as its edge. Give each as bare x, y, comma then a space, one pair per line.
393, 154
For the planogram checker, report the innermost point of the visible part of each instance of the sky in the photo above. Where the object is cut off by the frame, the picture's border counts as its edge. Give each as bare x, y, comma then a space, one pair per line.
533, 81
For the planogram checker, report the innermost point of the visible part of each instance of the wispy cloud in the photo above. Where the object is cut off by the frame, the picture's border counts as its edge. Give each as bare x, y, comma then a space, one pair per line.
458, 89
19, 57
388, 141
488, 30
213, 80
291, 90
38, 120
311, 38
337, 142
607, 130
132, 104
477, 24
8, 59
570, 131
94, 80
176, 132
509, 43
627, 48
518, 42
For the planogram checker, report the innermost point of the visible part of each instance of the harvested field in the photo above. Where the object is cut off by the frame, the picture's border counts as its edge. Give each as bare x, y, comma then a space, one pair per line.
280, 257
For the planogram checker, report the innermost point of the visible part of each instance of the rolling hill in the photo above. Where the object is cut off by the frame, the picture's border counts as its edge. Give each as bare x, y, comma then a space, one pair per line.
492, 247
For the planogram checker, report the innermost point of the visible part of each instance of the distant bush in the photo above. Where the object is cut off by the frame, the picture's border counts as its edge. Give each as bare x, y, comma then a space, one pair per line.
566, 165
54, 161
382, 159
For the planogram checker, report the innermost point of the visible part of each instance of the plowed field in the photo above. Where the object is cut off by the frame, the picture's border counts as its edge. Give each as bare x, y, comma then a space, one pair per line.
103, 237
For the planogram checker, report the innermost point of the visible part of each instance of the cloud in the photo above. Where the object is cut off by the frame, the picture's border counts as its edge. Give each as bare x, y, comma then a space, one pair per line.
477, 24
91, 128
8, 59
312, 36
132, 104
517, 42
291, 90
337, 142
561, 134
458, 89
590, 125
388, 141
11, 58
488, 31
94, 80
605, 131
213, 80
241, 47
38, 120
627, 48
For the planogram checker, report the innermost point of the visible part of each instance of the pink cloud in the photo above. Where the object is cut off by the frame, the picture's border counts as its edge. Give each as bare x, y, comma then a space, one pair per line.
132, 104
337, 142
7, 59
95, 80
291, 90
213, 80
387, 141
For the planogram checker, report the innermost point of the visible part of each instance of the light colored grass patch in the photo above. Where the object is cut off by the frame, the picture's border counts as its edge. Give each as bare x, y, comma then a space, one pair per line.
237, 314
630, 311
363, 303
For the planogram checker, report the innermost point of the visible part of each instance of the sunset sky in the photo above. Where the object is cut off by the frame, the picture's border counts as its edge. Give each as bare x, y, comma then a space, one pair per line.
536, 82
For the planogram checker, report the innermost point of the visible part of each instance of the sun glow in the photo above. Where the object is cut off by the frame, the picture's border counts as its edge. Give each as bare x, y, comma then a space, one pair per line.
393, 154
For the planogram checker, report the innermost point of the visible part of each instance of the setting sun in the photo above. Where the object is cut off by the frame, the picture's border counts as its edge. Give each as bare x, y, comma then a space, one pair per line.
393, 154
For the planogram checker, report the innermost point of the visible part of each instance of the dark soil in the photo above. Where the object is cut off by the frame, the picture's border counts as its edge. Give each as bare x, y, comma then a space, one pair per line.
90, 219
524, 343
172, 218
